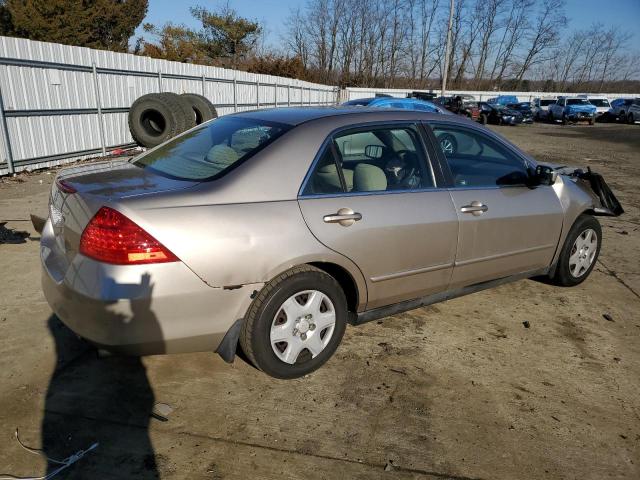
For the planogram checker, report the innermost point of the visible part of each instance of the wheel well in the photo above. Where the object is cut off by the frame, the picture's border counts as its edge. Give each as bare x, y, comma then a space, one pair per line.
345, 280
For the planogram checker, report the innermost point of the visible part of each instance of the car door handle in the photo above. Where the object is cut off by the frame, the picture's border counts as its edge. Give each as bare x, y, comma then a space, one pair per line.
344, 216
475, 208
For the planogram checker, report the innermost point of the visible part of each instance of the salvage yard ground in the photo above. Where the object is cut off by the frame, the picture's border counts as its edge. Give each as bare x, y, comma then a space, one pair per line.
459, 390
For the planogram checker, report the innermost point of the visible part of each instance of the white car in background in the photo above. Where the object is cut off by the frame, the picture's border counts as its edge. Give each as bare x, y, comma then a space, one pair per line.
601, 103
541, 107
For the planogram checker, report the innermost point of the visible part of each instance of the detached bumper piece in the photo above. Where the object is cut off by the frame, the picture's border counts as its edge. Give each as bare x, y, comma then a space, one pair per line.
609, 204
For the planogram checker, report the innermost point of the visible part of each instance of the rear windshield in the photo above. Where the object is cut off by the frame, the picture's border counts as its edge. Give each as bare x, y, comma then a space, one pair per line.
209, 151
577, 101
599, 102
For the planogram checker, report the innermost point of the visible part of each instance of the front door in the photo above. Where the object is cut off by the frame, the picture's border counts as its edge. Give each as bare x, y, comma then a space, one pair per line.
371, 196
506, 227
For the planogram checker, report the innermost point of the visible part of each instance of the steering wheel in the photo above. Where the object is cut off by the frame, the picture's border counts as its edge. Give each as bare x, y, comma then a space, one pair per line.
448, 143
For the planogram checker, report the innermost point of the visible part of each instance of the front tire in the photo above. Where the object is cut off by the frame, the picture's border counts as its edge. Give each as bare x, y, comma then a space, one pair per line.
631, 119
579, 252
296, 323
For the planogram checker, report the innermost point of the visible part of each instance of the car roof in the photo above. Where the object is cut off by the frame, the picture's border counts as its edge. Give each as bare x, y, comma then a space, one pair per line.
297, 115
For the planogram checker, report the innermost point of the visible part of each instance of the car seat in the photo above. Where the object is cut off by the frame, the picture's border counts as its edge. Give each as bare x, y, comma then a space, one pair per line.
369, 178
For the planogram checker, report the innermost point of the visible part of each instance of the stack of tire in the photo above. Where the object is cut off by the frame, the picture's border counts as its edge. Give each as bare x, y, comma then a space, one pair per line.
156, 117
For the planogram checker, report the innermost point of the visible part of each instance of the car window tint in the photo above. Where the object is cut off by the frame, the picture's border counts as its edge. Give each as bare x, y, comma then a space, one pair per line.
384, 159
477, 160
325, 178
209, 151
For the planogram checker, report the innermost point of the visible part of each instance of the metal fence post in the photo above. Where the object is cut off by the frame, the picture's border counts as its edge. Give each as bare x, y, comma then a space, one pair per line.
160, 82
257, 94
275, 95
235, 95
204, 85
96, 86
7, 141
288, 95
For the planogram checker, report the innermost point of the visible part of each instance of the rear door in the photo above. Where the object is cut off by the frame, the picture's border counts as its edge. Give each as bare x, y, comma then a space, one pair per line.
506, 227
371, 195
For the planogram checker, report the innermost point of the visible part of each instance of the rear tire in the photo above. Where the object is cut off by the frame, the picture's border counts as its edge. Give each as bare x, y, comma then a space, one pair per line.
631, 119
579, 253
286, 308
202, 108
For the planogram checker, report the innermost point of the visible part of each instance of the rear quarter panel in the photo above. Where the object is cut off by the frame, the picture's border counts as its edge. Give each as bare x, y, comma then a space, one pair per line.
229, 245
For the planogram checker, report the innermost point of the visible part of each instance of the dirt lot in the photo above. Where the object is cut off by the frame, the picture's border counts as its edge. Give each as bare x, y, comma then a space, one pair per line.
460, 390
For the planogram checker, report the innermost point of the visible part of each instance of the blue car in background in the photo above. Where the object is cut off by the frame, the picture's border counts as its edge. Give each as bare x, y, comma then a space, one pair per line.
572, 109
504, 100
393, 102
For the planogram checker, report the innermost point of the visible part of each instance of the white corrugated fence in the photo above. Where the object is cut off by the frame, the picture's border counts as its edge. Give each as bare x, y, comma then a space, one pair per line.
352, 93
59, 103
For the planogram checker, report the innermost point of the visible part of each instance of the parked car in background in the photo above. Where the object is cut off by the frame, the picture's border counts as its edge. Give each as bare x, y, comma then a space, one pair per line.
427, 96
202, 243
525, 109
633, 111
602, 106
394, 102
499, 114
572, 109
616, 106
503, 100
541, 107
460, 104
626, 110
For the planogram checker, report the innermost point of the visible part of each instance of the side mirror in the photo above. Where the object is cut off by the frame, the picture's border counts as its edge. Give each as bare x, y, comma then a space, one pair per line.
373, 151
544, 175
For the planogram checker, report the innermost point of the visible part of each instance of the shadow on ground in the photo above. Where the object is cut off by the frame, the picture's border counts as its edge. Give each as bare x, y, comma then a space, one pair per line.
104, 400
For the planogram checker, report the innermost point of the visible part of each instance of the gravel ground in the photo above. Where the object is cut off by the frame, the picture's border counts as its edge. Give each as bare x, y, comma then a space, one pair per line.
459, 390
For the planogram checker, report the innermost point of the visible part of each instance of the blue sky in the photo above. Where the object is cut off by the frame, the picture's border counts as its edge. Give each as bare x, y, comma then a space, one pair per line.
272, 13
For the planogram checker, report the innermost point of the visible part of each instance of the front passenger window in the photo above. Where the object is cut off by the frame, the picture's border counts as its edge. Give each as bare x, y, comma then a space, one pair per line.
477, 160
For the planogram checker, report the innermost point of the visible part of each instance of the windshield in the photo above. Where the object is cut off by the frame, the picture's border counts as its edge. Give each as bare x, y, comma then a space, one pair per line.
546, 103
599, 102
209, 151
577, 101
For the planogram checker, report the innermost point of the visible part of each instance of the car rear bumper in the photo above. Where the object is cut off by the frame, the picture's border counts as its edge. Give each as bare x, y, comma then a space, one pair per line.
141, 309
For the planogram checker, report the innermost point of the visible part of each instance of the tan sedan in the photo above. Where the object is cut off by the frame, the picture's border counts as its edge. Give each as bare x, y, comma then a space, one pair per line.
275, 228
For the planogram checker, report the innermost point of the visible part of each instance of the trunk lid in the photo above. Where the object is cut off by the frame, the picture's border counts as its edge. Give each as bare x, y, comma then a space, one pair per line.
79, 192
118, 179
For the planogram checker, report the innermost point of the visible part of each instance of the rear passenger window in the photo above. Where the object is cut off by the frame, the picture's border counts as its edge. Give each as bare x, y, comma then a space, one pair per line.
372, 160
325, 177
477, 160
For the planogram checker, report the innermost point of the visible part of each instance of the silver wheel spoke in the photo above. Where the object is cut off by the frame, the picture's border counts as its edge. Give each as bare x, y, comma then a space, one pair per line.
292, 351
324, 320
281, 333
313, 303
292, 308
575, 258
315, 344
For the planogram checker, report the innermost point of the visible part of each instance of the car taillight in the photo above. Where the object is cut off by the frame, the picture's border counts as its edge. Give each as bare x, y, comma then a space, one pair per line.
111, 237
